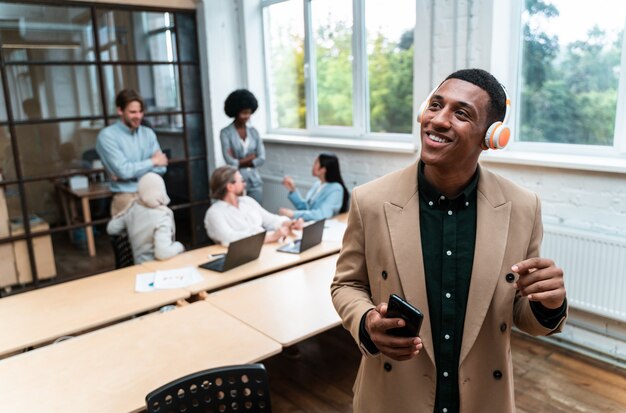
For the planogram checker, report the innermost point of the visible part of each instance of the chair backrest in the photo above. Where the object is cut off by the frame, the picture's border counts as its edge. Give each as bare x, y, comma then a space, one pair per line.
242, 388
122, 250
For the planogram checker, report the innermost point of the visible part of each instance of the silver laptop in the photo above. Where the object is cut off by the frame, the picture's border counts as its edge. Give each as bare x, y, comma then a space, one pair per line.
239, 252
311, 236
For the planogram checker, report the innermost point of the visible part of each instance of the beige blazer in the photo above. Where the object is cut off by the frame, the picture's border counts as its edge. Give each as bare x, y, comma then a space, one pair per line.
382, 254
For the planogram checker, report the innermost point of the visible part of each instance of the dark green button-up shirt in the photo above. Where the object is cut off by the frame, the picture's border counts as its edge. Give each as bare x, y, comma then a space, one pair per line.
448, 231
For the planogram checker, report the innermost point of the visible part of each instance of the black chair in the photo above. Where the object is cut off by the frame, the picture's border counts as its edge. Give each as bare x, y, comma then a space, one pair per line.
122, 250
242, 388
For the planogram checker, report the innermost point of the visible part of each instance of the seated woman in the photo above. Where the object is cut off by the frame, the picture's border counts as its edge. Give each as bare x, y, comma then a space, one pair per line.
234, 215
148, 222
326, 198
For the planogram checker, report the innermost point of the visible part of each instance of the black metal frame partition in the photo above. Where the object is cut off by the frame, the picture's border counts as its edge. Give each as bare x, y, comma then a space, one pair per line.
181, 65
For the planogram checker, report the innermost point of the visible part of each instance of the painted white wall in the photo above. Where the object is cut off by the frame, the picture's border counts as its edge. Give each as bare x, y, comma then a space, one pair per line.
222, 62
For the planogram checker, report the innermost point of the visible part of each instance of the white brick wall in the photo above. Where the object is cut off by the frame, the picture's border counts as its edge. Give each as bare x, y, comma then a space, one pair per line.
580, 199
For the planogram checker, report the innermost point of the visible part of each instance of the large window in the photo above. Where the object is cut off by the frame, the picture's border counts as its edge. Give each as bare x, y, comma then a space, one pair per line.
571, 64
61, 67
340, 68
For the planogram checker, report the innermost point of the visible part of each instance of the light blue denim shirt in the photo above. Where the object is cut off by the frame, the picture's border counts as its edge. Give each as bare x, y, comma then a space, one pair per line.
127, 154
324, 202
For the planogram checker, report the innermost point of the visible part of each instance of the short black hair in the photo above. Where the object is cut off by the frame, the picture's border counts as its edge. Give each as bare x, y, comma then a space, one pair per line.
126, 96
487, 82
239, 100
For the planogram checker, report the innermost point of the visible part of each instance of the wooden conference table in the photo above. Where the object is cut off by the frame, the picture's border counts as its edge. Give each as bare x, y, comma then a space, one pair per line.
112, 369
268, 262
289, 306
43, 315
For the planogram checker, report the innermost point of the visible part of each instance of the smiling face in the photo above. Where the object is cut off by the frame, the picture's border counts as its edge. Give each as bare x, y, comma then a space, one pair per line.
132, 114
453, 126
243, 116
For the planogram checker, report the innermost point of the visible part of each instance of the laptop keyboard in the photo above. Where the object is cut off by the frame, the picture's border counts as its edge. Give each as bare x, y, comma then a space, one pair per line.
216, 265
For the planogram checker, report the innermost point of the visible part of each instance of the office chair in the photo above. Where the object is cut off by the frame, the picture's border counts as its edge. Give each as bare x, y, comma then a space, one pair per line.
122, 250
242, 388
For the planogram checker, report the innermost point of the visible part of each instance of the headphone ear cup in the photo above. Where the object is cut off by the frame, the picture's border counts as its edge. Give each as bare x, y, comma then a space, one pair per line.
497, 136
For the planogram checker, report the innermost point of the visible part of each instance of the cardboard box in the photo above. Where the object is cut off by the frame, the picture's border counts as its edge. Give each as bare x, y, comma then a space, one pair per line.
44, 255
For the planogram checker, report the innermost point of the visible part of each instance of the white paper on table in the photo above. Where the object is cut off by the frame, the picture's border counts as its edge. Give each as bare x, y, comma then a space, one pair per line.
333, 230
144, 282
176, 278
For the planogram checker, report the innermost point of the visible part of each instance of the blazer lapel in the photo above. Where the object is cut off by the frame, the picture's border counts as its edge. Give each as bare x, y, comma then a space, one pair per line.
492, 227
403, 221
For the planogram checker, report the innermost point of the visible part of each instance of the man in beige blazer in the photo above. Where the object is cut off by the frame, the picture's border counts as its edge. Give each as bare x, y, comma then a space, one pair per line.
461, 244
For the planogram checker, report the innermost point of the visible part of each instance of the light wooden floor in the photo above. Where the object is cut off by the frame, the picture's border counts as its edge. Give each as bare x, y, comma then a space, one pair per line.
547, 378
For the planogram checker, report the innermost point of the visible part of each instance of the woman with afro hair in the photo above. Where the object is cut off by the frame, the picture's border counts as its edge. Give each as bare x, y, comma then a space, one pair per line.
242, 146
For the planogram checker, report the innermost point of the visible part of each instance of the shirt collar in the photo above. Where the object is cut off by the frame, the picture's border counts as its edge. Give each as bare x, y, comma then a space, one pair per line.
436, 199
126, 129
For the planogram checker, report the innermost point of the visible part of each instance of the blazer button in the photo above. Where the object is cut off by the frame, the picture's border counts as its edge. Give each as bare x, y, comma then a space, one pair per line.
510, 277
503, 327
387, 367
384, 275
497, 374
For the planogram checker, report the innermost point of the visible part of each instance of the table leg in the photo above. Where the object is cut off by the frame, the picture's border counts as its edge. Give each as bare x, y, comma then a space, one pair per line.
66, 212
91, 245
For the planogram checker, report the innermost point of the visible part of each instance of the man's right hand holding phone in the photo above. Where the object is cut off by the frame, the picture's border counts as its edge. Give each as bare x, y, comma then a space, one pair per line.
397, 348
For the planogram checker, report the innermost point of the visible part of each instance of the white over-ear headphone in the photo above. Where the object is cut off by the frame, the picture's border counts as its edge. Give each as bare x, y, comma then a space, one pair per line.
498, 134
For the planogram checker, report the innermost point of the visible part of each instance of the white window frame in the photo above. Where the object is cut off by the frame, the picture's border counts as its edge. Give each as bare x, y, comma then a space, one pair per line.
360, 130
506, 57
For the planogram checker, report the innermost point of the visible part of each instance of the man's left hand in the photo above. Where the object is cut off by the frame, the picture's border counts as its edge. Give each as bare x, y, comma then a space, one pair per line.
541, 280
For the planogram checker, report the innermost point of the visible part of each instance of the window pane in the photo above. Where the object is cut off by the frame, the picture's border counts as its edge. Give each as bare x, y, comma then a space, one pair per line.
42, 202
285, 60
157, 84
570, 71
192, 90
390, 64
169, 131
332, 37
45, 33
186, 24
7, 165
67, 93
13, 203
195, 135
199, 177
136, 36
56, 148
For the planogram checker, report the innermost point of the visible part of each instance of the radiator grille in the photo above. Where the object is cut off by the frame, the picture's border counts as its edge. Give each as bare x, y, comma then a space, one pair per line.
594, 268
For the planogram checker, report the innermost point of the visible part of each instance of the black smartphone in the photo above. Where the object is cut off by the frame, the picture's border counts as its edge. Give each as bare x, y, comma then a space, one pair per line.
399, 308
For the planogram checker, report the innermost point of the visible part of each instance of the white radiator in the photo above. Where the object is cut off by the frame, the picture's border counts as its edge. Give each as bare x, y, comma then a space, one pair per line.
594, 268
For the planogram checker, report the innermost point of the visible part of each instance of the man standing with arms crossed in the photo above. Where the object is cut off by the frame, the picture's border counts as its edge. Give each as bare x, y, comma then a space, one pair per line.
129, 150
461, 244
